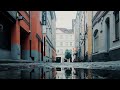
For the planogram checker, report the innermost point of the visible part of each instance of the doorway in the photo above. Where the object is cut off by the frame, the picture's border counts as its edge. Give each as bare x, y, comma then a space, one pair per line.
23, 35
5, 37
108, 33
58, 59
39, 51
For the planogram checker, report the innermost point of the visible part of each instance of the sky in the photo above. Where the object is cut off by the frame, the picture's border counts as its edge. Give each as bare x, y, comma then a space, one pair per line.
64, 19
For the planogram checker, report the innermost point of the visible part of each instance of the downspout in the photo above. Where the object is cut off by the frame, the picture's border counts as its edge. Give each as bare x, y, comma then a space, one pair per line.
92, 35
30, 26
42, 37
84, 36
30, 36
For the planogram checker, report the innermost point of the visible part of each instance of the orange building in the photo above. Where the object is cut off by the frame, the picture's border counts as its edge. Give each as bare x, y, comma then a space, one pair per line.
25, 35
36, 40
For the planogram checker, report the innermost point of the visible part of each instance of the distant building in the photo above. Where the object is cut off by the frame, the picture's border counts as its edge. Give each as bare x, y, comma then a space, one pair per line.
76, 28
60, 73
64, 41
75, 40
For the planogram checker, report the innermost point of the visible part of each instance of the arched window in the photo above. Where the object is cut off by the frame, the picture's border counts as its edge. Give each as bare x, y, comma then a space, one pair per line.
96, 41
116, 14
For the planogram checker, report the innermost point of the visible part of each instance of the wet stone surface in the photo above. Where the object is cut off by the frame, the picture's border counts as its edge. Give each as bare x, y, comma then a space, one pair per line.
59, 71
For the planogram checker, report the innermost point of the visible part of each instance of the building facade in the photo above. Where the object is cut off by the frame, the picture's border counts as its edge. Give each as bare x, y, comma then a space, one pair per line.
64, 41
106, 34
48, 19
83, 35
76, 28
21, 35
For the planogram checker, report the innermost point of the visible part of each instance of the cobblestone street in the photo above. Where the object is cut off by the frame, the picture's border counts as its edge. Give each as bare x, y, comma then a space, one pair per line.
86, 70
111, 65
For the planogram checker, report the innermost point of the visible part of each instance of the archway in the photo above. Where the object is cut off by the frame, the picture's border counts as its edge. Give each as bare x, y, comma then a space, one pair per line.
107, 21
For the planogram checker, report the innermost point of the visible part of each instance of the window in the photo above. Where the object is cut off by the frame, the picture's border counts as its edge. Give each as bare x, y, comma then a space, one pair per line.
61, 44
61, 51
70, 36
96, 41
61, 36
44, 17
116, 13
58, 51
70, 43
66, 36
66, 43
56, 44
86, 29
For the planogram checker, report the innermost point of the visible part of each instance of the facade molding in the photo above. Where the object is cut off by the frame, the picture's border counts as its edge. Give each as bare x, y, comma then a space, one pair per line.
116, 47
98, 17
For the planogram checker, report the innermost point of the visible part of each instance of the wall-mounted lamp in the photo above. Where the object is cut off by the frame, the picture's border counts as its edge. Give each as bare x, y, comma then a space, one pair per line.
20, 18
29, 31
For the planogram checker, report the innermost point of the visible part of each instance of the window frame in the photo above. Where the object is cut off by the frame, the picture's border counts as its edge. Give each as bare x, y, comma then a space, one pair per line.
44, 18
116, 15
61, 36
96, 42
70, 43
61, 43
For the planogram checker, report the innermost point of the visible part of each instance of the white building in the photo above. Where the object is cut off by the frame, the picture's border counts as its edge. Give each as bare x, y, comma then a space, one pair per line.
64, 40
49, 27
106, 35
60, 73
76, 28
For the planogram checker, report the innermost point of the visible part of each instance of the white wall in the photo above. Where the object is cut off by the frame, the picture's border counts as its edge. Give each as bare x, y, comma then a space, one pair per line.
102, 36
66, 38
49, 30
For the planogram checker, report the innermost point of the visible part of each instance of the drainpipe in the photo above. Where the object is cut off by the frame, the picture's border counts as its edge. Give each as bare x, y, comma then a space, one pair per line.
30, 35
30, 26
42, 38
84, 36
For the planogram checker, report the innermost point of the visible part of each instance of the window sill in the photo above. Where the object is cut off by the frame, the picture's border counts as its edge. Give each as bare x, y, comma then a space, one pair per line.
116, 40
95, 52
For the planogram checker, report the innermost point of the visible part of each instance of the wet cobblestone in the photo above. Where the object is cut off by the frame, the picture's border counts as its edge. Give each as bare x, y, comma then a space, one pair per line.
86, 70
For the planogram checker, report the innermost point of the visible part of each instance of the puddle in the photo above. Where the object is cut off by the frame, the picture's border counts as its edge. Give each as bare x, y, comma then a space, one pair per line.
58, 73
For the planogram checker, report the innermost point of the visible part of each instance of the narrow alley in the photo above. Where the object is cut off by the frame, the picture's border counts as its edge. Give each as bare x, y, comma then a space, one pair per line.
59, 45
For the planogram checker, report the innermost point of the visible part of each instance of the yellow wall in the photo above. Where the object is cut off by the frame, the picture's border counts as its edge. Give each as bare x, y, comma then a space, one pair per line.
89, 14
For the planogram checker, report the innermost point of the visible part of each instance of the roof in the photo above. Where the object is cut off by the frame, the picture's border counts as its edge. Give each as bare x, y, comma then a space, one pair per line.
65, 30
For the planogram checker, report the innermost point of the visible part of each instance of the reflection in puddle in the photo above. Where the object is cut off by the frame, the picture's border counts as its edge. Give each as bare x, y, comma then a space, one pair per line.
68, 72
58, 69
59, 73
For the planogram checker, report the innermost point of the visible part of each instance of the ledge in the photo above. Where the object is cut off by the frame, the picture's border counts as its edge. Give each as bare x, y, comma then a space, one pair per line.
95, 53
15, 61
116, 40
